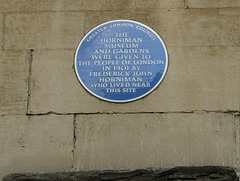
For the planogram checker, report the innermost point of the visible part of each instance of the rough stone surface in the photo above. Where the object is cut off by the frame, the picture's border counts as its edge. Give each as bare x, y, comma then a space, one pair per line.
197, 27
35, 143
1, 30
76, 5
200, 77
54, 84
64, 94
14, 67
179, 27
177, 173
123, 141
212, 3
155, 4
189, 120
93, 19
202, 71
43, 30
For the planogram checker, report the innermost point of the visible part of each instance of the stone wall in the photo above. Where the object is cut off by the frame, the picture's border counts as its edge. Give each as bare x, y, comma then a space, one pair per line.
48, 122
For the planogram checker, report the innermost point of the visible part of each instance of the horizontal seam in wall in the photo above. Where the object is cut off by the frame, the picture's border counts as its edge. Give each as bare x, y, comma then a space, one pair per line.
200, 8
233, 112
137, 10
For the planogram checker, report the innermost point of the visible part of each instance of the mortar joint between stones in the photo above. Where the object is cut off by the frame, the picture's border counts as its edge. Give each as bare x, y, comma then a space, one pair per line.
29, 79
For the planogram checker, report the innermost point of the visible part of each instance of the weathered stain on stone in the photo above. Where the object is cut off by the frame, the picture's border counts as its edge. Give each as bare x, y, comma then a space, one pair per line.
85, 5
13, 82
122, 141
215, 173
35, 143
43, 30
212, 3
197, 27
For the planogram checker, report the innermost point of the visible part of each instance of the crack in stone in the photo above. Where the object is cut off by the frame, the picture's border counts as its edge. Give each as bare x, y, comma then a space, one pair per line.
3, 32
49, 113
233, 112
74, 140
29, 79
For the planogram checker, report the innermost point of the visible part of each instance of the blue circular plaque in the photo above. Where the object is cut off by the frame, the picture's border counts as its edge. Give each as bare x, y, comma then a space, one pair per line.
121, 61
